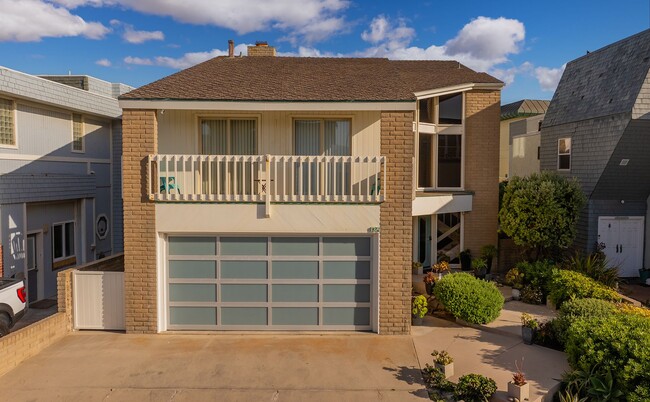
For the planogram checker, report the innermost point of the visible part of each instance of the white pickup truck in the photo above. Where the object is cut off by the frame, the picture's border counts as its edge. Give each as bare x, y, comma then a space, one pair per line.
12, 303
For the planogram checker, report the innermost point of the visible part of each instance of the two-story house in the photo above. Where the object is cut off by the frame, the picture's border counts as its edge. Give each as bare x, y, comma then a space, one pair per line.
283, 193
60, 173
597, 129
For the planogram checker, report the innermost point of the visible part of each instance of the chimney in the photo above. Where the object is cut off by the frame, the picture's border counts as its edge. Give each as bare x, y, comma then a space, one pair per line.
231, 48
261, 49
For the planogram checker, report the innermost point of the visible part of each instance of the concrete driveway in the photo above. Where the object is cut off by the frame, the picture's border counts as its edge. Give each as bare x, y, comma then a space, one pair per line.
95, 366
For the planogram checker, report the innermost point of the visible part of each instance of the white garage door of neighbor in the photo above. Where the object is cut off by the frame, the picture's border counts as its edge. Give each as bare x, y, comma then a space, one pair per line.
269, 283
622, 238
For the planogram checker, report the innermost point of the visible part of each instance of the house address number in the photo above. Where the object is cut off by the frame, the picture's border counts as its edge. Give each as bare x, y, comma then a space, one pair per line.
373, 229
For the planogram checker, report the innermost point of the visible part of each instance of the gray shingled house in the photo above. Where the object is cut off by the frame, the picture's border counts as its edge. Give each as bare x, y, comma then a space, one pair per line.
597, 129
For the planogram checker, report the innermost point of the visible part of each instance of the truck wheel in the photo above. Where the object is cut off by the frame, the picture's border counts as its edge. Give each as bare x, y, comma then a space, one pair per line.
5, 324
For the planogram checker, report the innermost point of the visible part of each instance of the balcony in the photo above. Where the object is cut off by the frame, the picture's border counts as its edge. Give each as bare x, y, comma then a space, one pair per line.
267, 179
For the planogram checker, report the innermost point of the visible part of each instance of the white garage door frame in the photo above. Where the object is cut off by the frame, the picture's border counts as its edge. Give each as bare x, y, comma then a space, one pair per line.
373, 304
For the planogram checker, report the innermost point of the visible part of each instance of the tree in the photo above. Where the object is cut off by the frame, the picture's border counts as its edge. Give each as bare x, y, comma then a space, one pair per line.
540, 212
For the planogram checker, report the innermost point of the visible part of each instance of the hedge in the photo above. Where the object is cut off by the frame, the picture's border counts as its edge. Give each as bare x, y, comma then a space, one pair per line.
470, 299
577, 309
566, 285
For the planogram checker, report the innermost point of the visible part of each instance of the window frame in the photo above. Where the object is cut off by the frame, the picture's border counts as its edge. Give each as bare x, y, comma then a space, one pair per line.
63, 224
564, 154
82, 122
14, 119
228, 119
321, 140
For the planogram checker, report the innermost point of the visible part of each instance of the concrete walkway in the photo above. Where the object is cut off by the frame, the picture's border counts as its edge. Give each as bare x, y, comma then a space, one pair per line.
95, 366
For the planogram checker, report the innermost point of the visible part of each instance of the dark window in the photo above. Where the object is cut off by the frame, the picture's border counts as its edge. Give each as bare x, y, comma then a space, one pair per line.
539, 150
450, 109
63, 240
564, 154
539, 126
425, 154
449, 160
426, 111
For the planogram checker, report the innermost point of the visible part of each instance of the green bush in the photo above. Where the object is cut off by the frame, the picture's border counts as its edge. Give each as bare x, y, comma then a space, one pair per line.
531, 295
573, 310
475, 388
538, 275
618, 344
567, 285
595, 266
468, 298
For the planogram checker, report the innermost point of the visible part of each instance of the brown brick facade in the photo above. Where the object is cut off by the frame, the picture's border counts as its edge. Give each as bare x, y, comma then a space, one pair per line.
482, 111
2, 267
139, 140
397, 142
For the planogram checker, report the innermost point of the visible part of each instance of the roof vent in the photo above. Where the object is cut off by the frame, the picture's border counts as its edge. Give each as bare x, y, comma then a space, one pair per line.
624, 162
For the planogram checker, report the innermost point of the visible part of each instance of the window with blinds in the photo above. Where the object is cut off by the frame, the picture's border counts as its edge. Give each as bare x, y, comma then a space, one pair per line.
7, 124
326, 137
77, 133
229, 137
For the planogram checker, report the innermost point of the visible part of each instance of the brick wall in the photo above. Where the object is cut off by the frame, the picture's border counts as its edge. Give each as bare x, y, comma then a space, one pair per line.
397, 142
482, 111
2, 269
261, 50
139, 133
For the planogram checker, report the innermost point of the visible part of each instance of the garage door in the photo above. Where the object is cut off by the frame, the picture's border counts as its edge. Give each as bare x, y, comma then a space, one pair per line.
261, 283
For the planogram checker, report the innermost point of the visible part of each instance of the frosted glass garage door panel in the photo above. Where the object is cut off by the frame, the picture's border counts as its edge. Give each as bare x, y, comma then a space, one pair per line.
193, 316
192, 246
295, 293
346, 269
192, 269
295, 316
192, 292
243, 293
295, 269
243, 270
346, 246
346, 293
295, 246
244, 316
243, 246
346, 316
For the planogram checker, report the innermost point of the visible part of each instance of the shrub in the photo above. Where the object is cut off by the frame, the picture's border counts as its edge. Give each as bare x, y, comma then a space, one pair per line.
443, 358
538, 275
468, 298
627, 308
574, 310
514, 278
595, 266
531, 295
475, 388
618, 344
419, 306
567, 285
547, 335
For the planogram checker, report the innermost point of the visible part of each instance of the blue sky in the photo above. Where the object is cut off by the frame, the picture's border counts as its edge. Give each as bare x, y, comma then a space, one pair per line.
139, 41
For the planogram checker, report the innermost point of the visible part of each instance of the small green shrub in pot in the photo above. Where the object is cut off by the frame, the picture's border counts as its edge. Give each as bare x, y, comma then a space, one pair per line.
489, 252
567, 285
479, 265
468, 298
618, 344
514, 278
475, 388
419, 307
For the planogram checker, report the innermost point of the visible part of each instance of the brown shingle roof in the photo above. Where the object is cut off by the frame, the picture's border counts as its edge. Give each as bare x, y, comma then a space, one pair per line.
301, 79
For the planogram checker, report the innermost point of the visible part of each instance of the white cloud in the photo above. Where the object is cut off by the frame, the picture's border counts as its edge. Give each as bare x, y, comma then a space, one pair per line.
548, 78
508, 75
132, 36
140, 61
185, 61
304, 20
103, 62
33, 20
488, 39
383, 30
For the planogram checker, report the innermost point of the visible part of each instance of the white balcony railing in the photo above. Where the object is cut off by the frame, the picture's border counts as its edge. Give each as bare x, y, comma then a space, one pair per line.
267, 178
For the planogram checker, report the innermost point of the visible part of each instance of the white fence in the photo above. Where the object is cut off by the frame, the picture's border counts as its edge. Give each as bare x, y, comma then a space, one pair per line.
98, 299
267, 178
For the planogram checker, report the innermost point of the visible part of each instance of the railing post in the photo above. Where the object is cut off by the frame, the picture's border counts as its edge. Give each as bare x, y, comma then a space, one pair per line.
267, 178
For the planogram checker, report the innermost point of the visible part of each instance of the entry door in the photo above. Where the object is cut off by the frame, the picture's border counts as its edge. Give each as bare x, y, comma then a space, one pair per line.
622, 238
34, 269
424, 240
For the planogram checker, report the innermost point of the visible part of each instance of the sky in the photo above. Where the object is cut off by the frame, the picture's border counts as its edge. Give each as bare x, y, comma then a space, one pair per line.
525, 44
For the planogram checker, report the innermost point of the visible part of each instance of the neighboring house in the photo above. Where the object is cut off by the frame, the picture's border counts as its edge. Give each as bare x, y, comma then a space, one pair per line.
289, 193
60, 197
597, 129
519, 148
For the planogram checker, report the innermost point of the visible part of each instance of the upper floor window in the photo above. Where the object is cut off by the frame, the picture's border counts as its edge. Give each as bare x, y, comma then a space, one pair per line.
445, 110
229, 136
440, 161
63, 240
329, 137
77, 133
564, 154
7, 123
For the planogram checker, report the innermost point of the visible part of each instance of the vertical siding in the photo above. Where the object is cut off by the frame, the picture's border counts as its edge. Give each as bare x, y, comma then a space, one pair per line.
179, 132
99, 300
43, 131
97, 137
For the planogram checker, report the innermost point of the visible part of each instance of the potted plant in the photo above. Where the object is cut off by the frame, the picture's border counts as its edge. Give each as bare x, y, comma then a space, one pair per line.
440, 268
415, 267
529, 325
518, 388
443, 362
644, 273
466, 260
418, 309
480, 267
515, 279
489, 252
430, 280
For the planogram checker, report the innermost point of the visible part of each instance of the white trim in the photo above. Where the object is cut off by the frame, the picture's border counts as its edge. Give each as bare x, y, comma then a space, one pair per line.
266, 106
429, 93
41, 158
